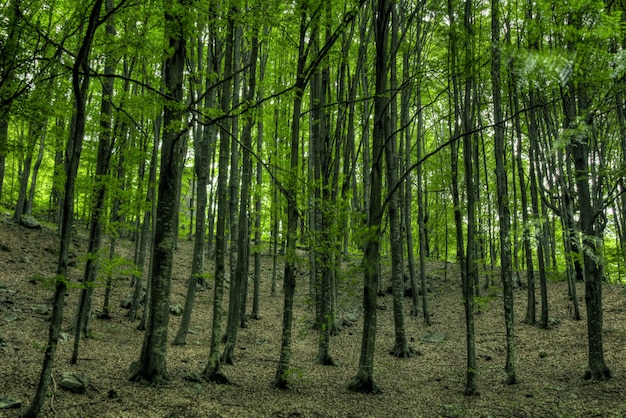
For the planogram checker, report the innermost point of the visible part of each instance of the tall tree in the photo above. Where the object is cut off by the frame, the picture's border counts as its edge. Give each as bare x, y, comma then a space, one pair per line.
503, 194
364, 379
202, 144
96, 227
152, 364
80, 87
401, 345
281, 379
212, 371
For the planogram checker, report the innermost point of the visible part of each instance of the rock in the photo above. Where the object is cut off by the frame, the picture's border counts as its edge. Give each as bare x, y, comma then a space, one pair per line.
75, 383
176, 310
64, 337
30, 222
7, 402
10, 317
433, 337
40, 309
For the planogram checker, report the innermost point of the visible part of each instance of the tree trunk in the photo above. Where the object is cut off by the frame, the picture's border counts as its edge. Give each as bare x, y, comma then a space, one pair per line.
146, 226
105, 148
201, 168
234, 290
28, 210
80, 85
239, 281
281, 379
503, 193
533, 133
364, 379
591, 235
212, 371
256, 313
152, 364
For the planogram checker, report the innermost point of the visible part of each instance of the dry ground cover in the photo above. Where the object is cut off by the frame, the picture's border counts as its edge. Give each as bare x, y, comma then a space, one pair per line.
550, 362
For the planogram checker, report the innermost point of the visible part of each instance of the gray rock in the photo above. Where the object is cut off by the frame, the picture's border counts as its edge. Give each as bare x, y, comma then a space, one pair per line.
30, 222
40, 309
75, 383
176, 310
10, 317
7, 402
433, 337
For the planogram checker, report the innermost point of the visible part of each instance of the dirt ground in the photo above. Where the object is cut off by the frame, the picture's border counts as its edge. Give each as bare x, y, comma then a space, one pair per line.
549, 362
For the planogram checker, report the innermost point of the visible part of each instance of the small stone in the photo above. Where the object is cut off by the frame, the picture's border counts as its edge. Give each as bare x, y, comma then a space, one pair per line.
7, 402
64, 337
40, 309
433, 337
30, 222
75, 383
10, 317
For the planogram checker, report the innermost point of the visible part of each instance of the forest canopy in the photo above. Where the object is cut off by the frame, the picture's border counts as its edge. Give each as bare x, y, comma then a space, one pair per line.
485, 133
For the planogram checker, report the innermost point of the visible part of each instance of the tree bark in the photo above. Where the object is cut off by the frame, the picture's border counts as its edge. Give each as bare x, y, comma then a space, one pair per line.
152, 364
212, 371
105, 148
364, 379
504, 214
80, 86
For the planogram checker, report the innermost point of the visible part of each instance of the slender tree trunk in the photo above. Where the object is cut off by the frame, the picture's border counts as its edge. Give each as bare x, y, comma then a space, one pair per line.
506, 273
281, 379
530, 317
364, 379
234, 180
212, 371
146, 226
105, 148
80, 85
35, 130
239, 281
401, 345
202, 141
28, 210
538, 230
256, 299
421, 201
578, 122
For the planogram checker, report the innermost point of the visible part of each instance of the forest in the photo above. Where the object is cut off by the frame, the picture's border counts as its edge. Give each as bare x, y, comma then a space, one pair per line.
312, 208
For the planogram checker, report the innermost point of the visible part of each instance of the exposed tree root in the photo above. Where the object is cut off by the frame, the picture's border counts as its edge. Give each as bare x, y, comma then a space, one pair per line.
363, 383
597, 374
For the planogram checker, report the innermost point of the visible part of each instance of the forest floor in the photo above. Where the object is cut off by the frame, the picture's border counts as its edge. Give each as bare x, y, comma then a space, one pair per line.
550, 362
